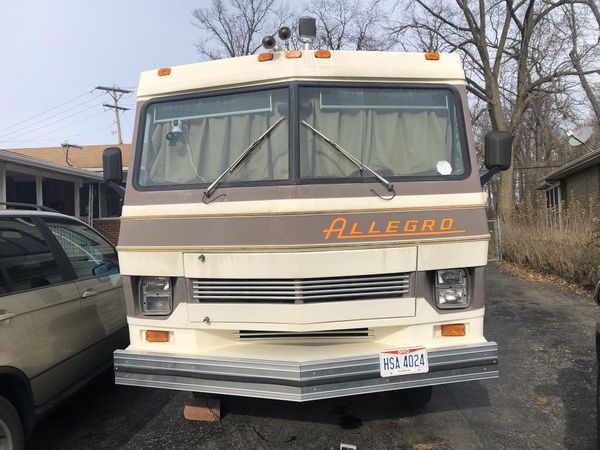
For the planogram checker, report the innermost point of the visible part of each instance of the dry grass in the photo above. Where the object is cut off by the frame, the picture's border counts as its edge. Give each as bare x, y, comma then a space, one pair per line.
571, 251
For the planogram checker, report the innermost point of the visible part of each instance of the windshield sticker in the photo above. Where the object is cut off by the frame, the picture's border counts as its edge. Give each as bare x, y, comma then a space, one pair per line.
444, 168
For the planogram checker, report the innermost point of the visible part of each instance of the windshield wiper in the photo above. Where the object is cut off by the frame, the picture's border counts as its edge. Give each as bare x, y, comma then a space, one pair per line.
361, 165
240, 158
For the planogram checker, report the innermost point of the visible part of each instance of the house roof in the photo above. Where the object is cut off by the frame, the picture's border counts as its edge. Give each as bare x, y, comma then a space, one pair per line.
30, 162
583, 162
87, 157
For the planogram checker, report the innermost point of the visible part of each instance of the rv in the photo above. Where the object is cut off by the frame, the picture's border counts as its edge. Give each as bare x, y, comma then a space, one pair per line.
305, 224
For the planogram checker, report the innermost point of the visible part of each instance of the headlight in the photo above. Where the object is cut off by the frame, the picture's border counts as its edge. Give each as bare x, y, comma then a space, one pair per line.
452, 289
156, 296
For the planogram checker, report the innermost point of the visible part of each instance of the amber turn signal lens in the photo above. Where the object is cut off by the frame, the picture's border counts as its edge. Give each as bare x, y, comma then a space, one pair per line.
265, 57
322, 54
293, 54
157, 336
432, 56
164, 71
454, 329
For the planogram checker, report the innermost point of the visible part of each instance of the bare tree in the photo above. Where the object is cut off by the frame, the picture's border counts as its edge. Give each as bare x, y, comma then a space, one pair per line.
350, 24
578, 26
236, 27
512, 56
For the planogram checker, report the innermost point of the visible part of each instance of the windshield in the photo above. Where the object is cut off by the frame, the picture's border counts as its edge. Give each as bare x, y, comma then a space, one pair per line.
395, 131
194, 141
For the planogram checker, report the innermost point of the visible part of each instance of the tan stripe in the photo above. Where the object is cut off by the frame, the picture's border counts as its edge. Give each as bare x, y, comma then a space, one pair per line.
301, 248
294, 207
301, 213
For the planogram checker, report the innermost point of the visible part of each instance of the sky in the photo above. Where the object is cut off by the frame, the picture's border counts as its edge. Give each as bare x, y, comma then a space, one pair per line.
55, 52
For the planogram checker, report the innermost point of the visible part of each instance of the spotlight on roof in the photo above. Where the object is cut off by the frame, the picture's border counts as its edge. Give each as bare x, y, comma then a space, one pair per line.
307, 29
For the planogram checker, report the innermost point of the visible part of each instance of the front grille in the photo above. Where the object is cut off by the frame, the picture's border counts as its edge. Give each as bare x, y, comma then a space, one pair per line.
249, 335
307, 290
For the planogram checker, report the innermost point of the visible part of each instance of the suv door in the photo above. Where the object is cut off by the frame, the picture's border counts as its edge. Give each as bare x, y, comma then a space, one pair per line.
41, 319
96, 272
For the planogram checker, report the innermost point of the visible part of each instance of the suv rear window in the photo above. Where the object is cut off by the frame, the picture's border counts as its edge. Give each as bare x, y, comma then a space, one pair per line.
26, 261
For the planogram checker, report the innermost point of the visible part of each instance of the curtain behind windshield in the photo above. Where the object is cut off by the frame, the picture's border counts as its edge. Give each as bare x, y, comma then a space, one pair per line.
396, 132
211, 133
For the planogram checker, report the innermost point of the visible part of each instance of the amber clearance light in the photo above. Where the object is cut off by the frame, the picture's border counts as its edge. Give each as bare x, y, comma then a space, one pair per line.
453, 329
432, 56
293, 54
164, 71
157, 336
265, 57
322, 54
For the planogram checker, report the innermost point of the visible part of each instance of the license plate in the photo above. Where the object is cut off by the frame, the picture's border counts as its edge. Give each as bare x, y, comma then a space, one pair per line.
403, 361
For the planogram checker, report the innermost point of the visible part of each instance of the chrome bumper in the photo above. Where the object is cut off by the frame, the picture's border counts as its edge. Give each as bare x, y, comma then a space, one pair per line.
298, 381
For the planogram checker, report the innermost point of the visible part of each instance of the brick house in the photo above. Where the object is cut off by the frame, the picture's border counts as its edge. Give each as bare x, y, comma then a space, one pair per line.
105, 211
576, 183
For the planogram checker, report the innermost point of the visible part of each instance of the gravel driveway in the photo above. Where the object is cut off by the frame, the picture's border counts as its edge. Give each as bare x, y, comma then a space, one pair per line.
545, 397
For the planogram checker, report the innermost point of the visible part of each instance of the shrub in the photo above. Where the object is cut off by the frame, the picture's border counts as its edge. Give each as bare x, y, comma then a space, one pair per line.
569, 249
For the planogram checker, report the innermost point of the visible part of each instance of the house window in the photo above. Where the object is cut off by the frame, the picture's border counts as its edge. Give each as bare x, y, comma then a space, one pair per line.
553, 201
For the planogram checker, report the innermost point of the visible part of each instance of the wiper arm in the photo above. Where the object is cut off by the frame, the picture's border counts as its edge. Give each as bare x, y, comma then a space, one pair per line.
240, 158
351, 158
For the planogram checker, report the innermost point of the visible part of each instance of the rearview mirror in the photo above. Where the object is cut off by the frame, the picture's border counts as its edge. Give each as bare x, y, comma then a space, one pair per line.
112, 168
498, 154
112, 165
498, 150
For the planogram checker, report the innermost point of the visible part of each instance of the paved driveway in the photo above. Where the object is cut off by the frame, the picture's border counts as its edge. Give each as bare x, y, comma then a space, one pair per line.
545, 397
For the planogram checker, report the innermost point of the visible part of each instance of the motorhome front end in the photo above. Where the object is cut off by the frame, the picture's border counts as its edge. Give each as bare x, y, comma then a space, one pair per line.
305, 227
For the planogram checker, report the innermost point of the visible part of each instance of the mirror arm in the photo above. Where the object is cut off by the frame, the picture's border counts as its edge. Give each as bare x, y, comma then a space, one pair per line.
120, 190
488, 175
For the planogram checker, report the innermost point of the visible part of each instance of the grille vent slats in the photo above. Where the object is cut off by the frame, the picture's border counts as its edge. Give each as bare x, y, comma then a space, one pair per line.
301, 290
356, 333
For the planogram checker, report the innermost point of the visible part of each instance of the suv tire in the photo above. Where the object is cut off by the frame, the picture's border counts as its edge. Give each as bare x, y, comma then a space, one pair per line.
11, 429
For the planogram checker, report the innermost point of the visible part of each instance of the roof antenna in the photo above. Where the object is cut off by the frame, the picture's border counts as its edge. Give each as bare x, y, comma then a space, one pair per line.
66, 146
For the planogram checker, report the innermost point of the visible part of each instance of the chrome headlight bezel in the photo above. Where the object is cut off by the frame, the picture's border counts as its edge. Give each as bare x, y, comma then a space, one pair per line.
452, 282
155, 296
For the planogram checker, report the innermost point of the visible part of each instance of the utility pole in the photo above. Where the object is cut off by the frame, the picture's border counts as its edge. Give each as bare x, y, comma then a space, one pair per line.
116, 93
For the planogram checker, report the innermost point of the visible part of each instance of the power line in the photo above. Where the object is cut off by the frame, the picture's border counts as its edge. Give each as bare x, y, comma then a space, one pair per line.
46, 111
116, 93
26, 128
55, 122
54, 131
62, 136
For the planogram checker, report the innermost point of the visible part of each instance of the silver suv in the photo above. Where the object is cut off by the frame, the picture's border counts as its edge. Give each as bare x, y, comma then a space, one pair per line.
62, 314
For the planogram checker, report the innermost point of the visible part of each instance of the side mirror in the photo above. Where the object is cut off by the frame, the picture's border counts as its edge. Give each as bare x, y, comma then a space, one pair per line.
112, 167
498, 153
498, 150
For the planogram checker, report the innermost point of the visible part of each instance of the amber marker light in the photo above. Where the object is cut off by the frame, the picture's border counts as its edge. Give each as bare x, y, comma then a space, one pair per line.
164, 71
265, 57
293, 54
157, 336
322, 54
453, 329
432, 56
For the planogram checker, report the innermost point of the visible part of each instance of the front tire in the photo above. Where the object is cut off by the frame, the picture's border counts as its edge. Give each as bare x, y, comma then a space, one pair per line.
11, 429
417, 398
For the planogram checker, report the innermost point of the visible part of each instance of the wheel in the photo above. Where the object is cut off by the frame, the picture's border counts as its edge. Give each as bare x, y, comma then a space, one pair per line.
418, 397
11, 429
